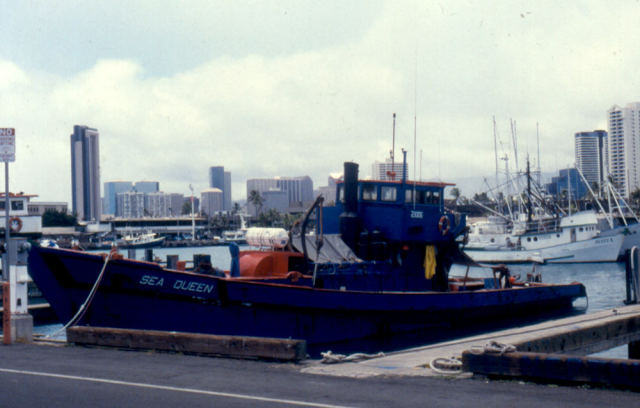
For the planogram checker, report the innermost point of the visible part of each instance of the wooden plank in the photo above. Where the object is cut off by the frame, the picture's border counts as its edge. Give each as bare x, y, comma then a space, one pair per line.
556, 367
209, 344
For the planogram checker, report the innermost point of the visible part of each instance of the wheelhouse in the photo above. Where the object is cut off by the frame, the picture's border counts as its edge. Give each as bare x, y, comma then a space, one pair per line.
400, 211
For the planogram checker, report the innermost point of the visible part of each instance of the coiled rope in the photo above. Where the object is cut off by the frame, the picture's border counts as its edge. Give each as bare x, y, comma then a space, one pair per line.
83, 308
453, 365
447, 366
493, 347
329, 357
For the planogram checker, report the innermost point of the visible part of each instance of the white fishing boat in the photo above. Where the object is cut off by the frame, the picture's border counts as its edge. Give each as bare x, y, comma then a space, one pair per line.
148, 240
238, 236
569, 239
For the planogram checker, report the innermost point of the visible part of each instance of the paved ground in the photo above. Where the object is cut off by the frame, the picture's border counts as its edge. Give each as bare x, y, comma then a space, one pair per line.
37, 375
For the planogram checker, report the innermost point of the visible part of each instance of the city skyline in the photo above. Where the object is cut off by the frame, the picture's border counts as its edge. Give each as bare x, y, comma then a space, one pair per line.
265, 89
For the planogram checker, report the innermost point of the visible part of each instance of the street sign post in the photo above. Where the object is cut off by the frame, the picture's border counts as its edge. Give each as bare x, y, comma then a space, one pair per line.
7, 154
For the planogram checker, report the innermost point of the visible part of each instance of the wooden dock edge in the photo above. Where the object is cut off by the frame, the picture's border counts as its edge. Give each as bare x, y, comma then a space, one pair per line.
196, 343
584, 338
555, 367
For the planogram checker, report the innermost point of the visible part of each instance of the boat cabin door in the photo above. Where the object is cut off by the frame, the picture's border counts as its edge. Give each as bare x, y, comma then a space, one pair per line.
573, 235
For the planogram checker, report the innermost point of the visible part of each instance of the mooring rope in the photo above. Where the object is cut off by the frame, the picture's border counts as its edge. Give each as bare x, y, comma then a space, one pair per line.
83, 308
493, 347
447, 366
329, 357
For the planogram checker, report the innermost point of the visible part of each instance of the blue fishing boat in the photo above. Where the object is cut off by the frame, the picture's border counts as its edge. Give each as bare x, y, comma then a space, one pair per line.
374, 262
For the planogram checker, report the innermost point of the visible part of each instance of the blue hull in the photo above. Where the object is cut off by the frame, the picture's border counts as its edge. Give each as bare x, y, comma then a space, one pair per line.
141, 295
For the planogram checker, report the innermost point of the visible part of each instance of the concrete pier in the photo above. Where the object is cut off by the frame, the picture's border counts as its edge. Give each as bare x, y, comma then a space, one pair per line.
577, 335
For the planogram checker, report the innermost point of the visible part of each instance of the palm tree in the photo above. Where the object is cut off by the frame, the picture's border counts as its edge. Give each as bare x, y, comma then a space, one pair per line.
257, 200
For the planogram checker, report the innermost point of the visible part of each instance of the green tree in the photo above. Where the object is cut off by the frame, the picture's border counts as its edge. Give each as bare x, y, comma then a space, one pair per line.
53, 218
270, 218
256, 200
186, 208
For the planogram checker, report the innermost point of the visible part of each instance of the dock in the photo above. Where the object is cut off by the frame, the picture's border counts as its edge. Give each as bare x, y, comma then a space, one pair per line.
572, 336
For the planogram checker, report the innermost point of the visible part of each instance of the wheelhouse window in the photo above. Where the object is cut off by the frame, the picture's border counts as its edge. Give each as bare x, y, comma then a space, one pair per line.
341, 193
430, 197
435, 198
388, 193
408, 196
369, 192
17, 205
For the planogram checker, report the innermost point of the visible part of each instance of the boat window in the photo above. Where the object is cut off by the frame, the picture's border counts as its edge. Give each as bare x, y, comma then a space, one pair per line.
426, 197
2, 205
435, 197
341, 193
17, 205
369, 192
388, 193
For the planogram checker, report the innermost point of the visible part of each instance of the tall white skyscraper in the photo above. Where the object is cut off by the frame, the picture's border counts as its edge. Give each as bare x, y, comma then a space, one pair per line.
591, 155
85, 173
624, 147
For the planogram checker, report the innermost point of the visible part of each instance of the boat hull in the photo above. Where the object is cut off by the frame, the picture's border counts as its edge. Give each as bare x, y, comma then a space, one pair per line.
142, 295
601, 249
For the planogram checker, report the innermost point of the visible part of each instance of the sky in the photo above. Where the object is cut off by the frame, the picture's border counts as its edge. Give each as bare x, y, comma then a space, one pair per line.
294, 88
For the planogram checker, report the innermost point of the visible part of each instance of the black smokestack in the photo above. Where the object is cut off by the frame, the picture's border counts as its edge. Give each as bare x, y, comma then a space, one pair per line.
349, 221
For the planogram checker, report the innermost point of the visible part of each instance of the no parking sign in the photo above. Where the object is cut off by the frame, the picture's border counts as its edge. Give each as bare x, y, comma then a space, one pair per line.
7, 144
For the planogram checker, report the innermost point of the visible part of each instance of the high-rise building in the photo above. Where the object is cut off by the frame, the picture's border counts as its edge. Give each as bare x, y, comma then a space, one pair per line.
299, 190
388, 171
130, 204
329, 191
157, 204
218, 178
176, 202
624, 147
111, 190
591, 156
85, 173
212, 201
226, 191
147, 186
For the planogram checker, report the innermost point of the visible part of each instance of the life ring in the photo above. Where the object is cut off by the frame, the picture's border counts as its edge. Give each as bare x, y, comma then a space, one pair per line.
444, 225
15, 224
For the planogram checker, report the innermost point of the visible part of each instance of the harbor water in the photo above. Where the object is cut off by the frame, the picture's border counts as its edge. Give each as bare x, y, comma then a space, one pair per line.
605, 283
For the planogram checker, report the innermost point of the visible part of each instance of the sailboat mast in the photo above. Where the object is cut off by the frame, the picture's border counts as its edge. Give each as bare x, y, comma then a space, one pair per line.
538, 142
495, 148
529, 209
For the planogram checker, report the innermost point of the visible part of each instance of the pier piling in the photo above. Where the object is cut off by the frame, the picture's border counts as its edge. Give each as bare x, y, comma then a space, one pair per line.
632, 269
172, 261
